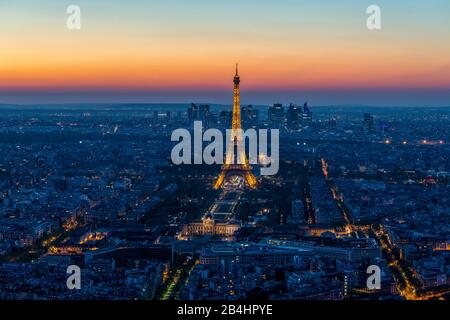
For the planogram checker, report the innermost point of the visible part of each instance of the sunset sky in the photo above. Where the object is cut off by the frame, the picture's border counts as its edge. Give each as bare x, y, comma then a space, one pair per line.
185, 50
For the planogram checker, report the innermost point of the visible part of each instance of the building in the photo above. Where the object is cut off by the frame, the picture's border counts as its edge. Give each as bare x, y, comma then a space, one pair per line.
122, 254
225, 119
297, 212
293, 116
307, 116
199, 113
346, 249
249, 116
210, 227
226, 257
276, 114
368, 122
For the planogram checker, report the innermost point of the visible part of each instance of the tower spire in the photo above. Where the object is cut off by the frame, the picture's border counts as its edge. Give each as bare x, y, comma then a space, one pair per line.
237, 72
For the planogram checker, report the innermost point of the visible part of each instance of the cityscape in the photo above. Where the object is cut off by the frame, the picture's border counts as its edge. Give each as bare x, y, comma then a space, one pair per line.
94, 207
93, 186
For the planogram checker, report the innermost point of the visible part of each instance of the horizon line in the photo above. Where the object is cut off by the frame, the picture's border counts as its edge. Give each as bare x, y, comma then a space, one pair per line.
347, 105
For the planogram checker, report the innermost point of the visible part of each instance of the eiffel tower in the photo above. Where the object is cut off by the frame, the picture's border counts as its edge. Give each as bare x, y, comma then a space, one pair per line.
241, 167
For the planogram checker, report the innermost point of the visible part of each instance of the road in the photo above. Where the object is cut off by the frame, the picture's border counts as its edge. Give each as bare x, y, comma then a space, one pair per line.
406, 283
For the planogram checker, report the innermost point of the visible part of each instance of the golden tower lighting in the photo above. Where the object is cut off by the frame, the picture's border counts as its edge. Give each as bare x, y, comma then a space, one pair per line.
241, 167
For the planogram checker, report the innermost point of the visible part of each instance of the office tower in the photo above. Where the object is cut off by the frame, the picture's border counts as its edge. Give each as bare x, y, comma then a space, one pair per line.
368, 122
250, 116
293, 117
199, 113
276, 114
307, 117
225, 119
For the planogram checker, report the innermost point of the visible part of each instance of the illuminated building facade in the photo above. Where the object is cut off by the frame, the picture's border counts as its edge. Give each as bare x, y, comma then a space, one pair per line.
210, 227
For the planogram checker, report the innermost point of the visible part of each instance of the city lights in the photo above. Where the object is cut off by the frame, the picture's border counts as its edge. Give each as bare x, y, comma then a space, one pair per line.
135, 164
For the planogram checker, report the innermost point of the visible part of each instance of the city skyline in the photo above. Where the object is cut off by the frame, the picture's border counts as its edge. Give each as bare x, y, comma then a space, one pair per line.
166, 51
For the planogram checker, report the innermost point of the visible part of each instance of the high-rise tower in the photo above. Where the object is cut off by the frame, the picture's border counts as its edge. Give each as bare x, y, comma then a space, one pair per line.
240, 167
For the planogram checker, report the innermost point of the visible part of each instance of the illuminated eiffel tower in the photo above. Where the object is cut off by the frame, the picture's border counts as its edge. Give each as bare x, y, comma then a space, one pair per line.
240, 167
